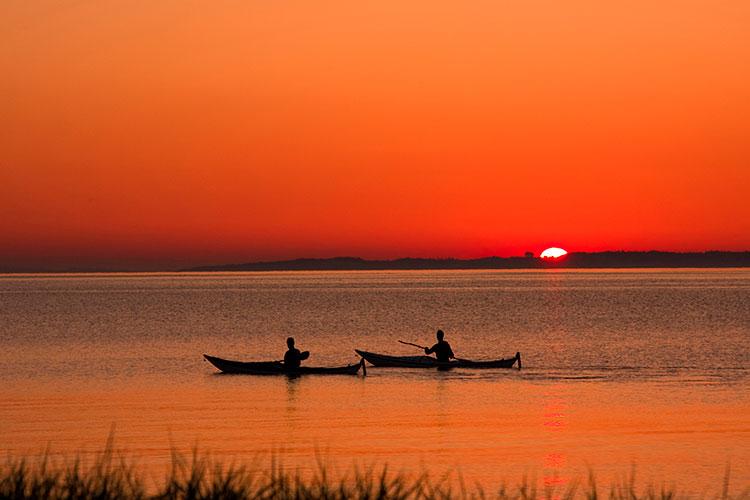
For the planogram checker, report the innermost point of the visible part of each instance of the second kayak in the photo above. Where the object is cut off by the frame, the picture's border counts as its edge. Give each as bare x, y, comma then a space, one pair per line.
430, 362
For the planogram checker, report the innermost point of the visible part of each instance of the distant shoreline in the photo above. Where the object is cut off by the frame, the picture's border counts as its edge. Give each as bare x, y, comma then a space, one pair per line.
578, 260
714, 259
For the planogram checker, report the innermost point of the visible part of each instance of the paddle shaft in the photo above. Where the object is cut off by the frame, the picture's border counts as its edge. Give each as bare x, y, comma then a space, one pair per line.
415, 345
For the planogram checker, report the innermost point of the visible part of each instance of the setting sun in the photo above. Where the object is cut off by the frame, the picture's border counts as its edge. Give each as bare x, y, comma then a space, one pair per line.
553, 253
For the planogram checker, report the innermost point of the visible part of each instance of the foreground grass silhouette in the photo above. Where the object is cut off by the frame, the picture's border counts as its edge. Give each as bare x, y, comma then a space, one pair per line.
113, 476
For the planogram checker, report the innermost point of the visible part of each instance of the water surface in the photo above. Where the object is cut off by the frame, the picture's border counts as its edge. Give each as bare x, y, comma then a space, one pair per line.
645, 367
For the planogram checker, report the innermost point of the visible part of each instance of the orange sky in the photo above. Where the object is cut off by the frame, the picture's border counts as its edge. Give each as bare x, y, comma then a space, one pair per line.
147, 134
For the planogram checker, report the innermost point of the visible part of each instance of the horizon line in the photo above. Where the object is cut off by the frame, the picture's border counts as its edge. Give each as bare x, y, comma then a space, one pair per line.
527, 257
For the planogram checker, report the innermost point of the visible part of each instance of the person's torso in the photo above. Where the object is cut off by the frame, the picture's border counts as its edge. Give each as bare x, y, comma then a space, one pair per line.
292, 357
443, 350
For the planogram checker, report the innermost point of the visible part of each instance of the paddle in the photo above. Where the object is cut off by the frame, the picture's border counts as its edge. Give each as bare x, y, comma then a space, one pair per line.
415, 345
423, 347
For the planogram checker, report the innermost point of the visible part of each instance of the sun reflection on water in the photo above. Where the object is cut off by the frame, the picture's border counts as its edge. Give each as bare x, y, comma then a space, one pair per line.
554, 422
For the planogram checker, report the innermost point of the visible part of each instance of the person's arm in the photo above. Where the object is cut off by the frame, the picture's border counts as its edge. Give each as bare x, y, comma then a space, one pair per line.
430, 350
450, 353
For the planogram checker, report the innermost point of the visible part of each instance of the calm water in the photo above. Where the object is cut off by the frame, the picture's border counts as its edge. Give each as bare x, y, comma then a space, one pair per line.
620, 368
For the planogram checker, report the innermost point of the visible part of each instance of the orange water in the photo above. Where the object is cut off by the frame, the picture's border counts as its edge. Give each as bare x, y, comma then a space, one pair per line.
621, 369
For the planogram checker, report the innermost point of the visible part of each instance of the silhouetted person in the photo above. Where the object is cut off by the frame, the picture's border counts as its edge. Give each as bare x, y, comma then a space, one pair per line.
293, 357
442, 349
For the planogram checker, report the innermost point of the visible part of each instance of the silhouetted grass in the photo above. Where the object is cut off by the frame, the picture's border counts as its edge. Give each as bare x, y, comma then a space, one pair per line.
113, 477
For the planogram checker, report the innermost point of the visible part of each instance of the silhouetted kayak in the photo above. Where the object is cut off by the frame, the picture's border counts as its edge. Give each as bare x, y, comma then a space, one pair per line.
278, 368
430, 362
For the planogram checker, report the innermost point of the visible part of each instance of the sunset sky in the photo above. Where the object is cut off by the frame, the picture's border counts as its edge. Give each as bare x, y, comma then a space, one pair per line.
149, 134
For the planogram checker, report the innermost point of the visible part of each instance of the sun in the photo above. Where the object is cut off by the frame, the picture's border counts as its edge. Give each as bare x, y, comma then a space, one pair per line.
553, 253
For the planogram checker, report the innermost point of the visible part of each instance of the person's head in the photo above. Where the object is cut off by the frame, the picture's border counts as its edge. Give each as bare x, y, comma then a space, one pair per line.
440, 335
290, 342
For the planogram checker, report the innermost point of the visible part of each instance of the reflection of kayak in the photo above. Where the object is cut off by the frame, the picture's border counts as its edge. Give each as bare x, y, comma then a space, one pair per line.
430, 362
277, 368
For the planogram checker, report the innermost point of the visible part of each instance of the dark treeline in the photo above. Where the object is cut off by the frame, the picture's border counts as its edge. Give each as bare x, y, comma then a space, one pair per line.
618, 259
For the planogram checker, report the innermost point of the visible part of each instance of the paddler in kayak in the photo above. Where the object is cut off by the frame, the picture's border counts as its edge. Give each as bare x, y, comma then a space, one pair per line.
293, 357
442, 349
